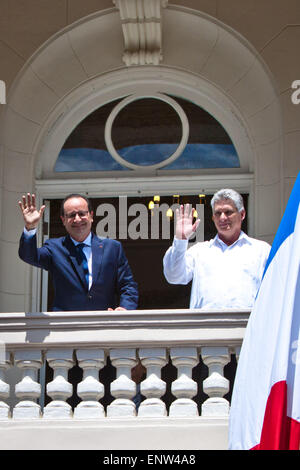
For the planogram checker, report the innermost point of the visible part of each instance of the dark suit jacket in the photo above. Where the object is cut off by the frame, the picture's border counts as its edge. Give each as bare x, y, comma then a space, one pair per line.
112, 286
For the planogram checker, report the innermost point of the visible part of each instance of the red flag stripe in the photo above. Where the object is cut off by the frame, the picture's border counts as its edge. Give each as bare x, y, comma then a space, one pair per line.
279, 431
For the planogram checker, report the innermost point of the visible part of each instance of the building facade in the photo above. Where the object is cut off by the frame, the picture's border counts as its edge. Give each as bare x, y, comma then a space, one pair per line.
66, 66
236, 60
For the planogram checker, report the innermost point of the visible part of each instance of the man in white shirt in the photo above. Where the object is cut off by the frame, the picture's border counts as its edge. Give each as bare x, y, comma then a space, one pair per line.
227, 270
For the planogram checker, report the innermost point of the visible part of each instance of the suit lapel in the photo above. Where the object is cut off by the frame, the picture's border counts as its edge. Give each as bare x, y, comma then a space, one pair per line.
97, 256
75, 261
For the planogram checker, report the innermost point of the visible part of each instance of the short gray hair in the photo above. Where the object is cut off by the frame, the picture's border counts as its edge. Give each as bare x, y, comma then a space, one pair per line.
231, 194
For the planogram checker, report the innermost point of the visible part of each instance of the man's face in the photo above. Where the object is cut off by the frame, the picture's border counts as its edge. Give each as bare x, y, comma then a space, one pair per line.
228, 220
77, 219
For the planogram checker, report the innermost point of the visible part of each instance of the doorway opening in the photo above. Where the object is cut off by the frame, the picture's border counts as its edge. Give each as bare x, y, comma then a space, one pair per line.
144, 254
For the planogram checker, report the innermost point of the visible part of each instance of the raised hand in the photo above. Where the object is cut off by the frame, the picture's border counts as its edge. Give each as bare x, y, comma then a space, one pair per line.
30, 213
185, 226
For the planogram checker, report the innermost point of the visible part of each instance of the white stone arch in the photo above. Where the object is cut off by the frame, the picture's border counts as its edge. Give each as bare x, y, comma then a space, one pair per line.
81, 67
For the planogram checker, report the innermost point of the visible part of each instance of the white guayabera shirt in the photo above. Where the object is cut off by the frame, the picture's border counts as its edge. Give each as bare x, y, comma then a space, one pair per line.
223, 276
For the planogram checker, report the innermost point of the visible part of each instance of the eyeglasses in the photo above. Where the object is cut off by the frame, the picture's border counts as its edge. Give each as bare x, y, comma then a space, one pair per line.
80, 214
227, 213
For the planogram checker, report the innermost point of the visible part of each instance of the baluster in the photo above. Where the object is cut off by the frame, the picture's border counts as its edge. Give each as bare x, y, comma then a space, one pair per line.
28, 390
61, 360
184, 387
153, 387
216, 385
90, 389
5, 363
123, 388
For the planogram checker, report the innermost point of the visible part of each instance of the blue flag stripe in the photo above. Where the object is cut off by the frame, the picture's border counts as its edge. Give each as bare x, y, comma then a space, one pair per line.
287, 225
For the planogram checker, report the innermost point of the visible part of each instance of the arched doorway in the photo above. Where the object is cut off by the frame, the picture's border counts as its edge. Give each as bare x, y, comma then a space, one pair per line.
207, 64
147, 135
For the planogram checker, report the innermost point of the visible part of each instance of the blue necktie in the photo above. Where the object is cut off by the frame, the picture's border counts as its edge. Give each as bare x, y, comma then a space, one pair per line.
83, 258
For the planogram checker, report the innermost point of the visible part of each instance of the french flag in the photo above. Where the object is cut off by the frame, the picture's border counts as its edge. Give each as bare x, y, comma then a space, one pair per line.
265, 406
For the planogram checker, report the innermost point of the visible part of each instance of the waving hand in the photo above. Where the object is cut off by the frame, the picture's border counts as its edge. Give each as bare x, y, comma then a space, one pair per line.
31, 214
185, 226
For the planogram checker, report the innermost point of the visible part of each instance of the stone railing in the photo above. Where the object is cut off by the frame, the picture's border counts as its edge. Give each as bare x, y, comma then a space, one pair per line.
184, 342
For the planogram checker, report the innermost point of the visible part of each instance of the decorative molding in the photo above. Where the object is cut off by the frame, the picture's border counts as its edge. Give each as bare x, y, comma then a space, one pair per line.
137, 96
141, 26
126, 329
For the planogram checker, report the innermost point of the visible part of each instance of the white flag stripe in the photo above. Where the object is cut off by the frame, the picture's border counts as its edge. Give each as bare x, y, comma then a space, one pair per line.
293, 373
254, 380
270, 344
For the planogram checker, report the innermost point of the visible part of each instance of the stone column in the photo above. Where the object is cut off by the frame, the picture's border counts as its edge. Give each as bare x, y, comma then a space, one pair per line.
61, 360
184, 387
5, 364
123, 388
28, 390
90, 389
216, 385
153, 359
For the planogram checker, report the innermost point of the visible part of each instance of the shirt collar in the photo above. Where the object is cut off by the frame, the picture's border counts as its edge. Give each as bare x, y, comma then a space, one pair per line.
87, 241
242, 238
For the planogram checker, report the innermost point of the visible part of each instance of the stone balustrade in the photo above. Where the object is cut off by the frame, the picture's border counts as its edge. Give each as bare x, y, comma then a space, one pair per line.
183, 354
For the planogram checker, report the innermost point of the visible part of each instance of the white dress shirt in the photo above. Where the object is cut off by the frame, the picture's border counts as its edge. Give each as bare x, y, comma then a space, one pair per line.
223, 276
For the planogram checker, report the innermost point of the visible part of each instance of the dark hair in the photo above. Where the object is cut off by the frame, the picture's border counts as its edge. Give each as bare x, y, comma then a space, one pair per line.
70, 196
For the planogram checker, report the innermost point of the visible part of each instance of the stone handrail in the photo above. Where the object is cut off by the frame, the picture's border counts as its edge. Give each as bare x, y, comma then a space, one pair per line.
152, 337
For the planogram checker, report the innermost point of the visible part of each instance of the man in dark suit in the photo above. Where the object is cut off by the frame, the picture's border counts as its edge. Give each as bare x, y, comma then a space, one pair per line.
96, 276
